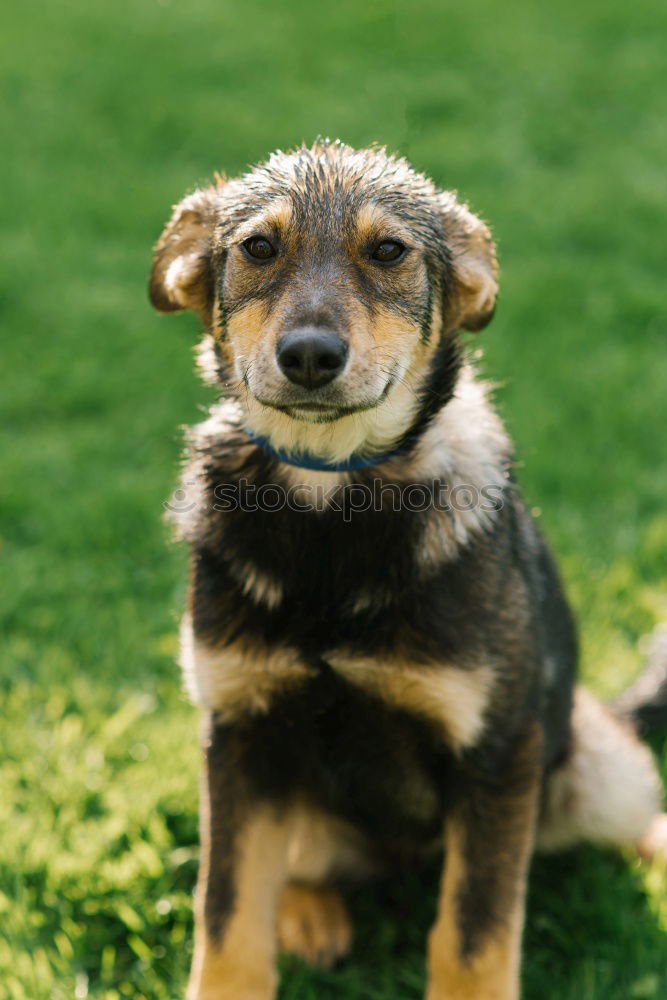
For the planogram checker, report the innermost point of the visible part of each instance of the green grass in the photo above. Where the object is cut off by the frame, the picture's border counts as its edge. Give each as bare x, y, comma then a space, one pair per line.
551, 120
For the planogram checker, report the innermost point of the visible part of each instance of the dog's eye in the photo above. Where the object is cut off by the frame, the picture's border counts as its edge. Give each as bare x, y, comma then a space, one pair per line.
259, 248
388, 251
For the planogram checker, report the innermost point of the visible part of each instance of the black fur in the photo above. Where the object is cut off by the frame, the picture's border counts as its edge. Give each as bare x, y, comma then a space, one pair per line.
324, 561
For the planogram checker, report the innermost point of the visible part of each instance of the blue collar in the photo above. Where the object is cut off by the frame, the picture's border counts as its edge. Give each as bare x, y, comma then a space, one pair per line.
304, 460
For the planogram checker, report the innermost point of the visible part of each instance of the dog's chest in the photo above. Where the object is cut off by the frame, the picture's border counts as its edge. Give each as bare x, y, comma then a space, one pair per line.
323, 559
283, 593
356, 757
384, 563
319, 581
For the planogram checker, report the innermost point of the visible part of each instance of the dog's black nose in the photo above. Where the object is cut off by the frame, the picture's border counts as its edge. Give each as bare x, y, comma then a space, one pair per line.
311, 356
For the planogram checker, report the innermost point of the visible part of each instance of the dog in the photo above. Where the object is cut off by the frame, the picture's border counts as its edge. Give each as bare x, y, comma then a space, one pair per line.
376, 631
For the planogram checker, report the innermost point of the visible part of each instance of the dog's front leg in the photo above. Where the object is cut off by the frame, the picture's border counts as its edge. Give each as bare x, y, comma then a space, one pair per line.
475, 944
242, 872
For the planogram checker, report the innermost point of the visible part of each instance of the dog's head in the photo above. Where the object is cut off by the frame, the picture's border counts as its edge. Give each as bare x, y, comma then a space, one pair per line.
328, 278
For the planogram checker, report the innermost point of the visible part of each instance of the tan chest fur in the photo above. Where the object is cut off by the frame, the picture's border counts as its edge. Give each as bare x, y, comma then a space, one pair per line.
240, 680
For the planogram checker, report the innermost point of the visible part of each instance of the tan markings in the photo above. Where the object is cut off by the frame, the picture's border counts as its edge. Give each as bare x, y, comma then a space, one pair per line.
303, 845
452, 698
254, 329
262, 588
277, 216
375, 222
313, 923
242, 966
323, 847
380, 352
249, 329
478, 282
607, 790
475, 265
236, 679
371, 599
435, 329
259, 586
491, 974
396, 338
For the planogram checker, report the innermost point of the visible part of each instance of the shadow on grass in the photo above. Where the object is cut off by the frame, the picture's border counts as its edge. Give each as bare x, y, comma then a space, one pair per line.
591, 934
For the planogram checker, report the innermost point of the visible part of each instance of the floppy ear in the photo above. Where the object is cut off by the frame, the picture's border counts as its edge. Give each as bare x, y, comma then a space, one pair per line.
181, 277
475, 287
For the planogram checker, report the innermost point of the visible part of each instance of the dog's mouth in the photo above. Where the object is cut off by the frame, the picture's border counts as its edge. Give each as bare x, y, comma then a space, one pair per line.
320, 413
324, 411
317, 413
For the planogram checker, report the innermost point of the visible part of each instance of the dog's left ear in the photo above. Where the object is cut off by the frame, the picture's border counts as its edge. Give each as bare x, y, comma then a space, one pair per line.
472, 297
181, 277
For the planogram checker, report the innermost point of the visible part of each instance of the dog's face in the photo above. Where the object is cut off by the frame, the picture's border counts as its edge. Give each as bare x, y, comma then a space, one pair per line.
327, 277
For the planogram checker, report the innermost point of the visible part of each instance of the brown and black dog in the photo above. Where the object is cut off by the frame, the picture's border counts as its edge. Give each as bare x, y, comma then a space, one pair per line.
376, 631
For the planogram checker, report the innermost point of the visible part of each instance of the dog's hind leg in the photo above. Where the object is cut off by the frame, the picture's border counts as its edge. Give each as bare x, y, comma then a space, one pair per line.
607, 789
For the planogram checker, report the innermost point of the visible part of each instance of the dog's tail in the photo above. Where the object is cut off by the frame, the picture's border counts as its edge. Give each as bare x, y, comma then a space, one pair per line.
607, 788
644, 704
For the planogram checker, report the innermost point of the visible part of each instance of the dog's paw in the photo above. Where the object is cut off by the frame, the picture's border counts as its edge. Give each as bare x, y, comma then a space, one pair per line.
472, 992
220, 977
313, 923
231, 993
233, 989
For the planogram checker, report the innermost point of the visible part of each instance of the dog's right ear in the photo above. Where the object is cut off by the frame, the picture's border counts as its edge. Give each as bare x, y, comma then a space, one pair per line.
182, 277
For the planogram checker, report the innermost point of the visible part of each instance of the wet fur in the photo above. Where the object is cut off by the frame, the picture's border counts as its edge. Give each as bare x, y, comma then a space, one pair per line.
374, 683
